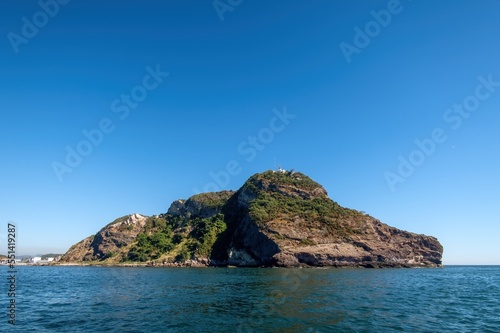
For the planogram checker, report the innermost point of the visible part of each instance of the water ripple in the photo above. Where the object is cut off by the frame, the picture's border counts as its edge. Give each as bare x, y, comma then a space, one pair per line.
81, 299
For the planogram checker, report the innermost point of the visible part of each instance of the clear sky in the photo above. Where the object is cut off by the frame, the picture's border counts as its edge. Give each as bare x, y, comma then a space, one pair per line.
119, 107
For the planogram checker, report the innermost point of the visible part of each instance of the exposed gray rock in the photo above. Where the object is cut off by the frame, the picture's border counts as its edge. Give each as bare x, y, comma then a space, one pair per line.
108, 240
177, 208
292, 240
276, 219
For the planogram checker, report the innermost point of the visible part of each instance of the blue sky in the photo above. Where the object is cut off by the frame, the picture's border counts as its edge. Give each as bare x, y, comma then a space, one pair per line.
250, 86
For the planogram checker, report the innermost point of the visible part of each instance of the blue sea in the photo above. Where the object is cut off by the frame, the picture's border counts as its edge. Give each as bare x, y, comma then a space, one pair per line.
103, 299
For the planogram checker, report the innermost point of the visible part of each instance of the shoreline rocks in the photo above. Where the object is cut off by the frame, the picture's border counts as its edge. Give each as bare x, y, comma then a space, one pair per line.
276, 219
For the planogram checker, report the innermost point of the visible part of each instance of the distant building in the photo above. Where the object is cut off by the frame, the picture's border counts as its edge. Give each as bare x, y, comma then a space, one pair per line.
34, 260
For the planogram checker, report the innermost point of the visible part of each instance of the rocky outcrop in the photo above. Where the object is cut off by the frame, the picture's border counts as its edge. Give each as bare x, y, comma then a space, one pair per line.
305, 237
381, 246
202, 205
108, 241
275, 219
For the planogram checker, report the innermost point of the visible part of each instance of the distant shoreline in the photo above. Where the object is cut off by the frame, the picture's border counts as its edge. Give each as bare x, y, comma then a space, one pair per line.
198, 265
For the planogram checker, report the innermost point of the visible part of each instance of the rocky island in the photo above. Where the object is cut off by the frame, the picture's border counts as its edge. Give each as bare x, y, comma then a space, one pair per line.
277, 218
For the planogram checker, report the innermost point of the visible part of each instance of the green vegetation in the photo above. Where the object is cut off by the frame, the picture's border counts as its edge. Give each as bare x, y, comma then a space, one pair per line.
212, 200
120, 219
166, 235
278, 197
183, 255
109, 254
151, 246
205, 233
306, 242
289, 178
157, 223
174, 222
272, 205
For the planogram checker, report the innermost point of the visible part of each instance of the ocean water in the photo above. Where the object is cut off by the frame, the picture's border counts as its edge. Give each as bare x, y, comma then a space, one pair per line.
102, 299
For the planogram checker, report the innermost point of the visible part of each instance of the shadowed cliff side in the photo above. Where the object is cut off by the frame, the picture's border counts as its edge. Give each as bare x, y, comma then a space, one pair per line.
277, 218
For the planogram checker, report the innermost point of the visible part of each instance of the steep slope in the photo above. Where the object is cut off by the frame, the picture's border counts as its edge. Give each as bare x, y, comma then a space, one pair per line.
287, 219
109, 241
186, 233
276, 218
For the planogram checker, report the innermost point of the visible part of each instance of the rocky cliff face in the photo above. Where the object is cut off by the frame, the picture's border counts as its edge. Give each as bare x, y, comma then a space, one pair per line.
275, 219
185, 233
201, 205
285, 219
108, 241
